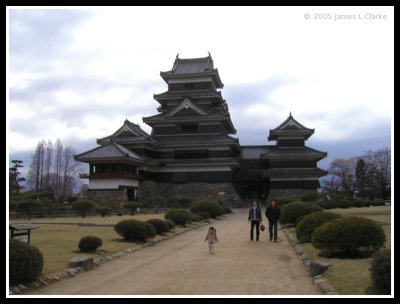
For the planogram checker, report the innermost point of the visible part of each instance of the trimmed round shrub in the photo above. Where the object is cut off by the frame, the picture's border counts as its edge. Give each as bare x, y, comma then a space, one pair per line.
378, 202
26, 262
327, 204
358, 203
204, 215
133, 230
212, 208
171, 225
381, 272
312, 221
227, 210
194, 218
89, 243
348, 235
103, 211
344, 203
178, 216
291, 211
151, 230
298, 220
132, 206
310, 197
161, 226
82, 206
285, 199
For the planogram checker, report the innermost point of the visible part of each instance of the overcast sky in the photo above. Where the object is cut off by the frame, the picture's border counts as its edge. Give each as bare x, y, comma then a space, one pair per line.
76, 74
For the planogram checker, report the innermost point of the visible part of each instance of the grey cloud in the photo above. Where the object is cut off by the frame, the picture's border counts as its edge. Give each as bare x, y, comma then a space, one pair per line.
52, 83
42, 33
238, 95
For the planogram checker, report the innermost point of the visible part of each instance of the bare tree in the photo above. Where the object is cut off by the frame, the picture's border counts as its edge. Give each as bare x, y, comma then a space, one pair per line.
57, 187
380, 161
48, 165
36, 168
332, 184
55, 176
344, 171
69, 167
370, 174
41, 157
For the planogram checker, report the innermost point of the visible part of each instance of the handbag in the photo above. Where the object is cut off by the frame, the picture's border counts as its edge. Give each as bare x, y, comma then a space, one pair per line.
262, 227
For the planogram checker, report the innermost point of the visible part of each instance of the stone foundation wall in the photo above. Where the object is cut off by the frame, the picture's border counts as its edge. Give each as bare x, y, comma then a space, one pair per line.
273, 193
114, 199
194, 190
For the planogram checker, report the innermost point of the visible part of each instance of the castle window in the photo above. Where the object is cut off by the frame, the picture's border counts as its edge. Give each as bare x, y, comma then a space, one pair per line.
191, 154
189, 86
190, 128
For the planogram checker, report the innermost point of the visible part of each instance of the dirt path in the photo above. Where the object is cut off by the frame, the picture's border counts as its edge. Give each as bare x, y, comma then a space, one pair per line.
183, 266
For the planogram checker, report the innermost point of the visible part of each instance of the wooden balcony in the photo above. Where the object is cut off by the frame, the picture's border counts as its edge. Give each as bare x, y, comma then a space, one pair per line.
111, 175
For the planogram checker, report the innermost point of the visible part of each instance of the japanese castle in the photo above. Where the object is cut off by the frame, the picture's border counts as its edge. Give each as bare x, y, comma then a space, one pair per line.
191, 151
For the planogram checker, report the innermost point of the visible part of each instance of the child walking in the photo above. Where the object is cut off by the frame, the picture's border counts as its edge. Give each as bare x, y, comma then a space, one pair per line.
212, 238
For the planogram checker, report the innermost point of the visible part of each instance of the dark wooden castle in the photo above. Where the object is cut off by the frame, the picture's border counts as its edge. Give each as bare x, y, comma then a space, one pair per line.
191, 152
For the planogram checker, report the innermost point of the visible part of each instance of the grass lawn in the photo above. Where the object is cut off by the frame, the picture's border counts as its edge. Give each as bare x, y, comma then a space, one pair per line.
351, 276
378, 213
59, 243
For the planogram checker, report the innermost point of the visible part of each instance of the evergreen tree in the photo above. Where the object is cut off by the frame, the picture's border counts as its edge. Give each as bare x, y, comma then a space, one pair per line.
361, 178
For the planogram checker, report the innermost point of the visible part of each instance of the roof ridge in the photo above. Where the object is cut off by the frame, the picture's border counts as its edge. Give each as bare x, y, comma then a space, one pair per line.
91, 150
193, 59
290, 117
118, 146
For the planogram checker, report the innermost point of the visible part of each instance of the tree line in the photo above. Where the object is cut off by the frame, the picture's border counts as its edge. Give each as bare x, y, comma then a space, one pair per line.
52, 169
367, 176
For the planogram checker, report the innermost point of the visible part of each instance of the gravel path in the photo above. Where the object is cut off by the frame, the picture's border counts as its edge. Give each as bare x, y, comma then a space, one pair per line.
183, 266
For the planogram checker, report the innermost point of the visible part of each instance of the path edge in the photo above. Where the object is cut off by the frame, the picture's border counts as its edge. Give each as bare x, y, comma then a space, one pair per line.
318, 280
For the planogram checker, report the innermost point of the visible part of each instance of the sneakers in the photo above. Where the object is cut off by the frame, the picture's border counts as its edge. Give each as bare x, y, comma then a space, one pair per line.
275, 241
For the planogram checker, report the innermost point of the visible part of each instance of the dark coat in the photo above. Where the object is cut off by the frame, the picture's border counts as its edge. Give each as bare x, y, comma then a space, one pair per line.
258, 214
273, 214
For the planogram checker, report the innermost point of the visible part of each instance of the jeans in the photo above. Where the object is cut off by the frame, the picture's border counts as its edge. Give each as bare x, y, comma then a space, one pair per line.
273, 226
257, 224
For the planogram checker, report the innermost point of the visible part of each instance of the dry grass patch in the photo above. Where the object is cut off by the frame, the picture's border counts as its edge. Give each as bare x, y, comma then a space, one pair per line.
378, 213
347, 276
59, 243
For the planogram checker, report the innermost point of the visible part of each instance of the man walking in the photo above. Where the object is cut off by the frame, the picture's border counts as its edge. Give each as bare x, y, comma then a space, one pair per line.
273, 213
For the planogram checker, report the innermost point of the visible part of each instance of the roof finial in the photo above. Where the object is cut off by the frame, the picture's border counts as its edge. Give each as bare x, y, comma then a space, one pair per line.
209, 54
290, 113
177, 56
